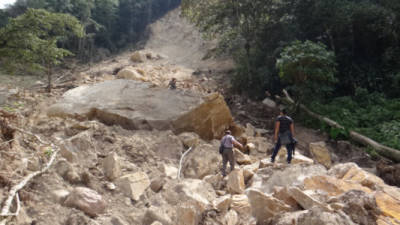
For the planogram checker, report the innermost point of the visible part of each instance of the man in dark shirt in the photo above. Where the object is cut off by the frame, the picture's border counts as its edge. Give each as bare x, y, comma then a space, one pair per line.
284, 135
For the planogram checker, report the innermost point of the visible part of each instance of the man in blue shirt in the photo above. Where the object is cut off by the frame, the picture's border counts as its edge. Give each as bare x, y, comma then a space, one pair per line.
284, 135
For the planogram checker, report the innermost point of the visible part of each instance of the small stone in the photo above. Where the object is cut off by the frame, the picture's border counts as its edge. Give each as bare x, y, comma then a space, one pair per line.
137, 57
110, 186
157, 184
169, 171
72, 177
59, 196
111, 166
133, 185
269, 102
118, 221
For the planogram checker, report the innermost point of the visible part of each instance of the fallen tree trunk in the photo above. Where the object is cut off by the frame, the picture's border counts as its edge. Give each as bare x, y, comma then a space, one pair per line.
382, 150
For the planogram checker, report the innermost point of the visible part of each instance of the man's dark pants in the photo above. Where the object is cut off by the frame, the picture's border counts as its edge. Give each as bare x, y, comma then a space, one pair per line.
289, 148
227, 155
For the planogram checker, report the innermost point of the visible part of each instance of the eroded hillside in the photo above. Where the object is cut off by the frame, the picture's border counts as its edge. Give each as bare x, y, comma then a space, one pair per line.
120, 134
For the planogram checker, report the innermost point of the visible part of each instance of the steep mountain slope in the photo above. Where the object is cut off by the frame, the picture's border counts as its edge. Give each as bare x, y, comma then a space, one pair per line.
109, 175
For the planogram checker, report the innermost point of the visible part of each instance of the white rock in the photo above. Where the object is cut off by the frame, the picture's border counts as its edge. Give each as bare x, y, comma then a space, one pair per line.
112, 167
59, 196
222, 203
130, 74
265, 206
133, 185
110, 186
231, 218
169, 171
235, 183
269, 102
240, 203
241, 158
304, 199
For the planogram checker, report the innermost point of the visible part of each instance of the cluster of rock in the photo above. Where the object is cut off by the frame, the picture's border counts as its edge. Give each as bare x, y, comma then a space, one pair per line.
307, 192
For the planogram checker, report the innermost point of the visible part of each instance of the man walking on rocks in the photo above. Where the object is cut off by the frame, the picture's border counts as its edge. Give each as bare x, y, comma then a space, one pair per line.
284, 135
227, 143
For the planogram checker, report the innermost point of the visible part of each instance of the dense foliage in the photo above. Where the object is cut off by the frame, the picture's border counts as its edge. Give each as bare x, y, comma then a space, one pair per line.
363, 35
108, 24
308, 68
31, 41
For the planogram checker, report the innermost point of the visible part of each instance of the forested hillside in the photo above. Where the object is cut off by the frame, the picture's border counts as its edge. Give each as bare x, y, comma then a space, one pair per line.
109, 25
341, 58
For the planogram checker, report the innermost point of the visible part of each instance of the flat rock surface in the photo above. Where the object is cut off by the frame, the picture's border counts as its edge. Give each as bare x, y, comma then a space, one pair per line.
138, 105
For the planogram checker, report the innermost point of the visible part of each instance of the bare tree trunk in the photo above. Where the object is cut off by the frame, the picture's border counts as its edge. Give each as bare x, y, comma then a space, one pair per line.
49, 72
382, 150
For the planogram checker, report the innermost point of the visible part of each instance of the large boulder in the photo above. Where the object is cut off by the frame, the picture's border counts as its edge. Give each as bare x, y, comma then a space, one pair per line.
87, 200
137, 105
360, 206
267, 178
202, 161
315, 216
240, 203
321, 154
192, 192
130, 73
265, 206
236, 183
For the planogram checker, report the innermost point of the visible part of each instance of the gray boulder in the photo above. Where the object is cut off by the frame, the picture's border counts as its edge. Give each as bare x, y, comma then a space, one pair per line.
138, 105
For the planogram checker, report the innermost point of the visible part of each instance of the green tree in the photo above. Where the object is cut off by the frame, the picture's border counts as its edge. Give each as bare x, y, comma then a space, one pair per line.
30, 40
309, 68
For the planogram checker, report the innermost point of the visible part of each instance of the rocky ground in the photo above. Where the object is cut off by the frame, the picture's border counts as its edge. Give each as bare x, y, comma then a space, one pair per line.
120, 135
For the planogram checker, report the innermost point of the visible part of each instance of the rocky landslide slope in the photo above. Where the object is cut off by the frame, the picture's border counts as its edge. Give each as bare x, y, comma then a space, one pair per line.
121, 135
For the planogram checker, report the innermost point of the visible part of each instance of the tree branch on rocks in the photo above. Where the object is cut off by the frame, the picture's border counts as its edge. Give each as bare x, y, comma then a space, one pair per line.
382, 150
5, 211
180, 162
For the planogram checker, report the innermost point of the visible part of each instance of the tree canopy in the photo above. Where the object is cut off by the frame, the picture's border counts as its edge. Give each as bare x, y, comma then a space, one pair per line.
31, 40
